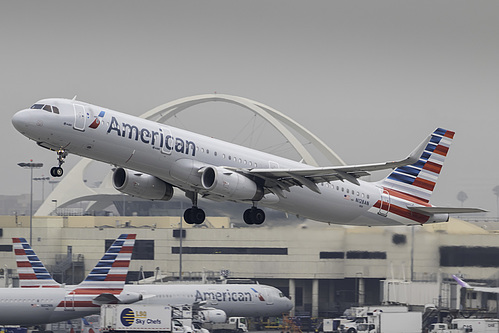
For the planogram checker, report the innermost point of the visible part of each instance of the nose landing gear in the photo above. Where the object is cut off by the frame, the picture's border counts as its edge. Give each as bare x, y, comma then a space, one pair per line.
58, 171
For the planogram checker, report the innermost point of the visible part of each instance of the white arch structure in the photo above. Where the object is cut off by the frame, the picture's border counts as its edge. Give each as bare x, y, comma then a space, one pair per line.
73, 189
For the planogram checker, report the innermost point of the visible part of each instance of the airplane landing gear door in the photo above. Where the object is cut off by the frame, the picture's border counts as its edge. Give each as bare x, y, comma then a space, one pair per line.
79, 117
384, 207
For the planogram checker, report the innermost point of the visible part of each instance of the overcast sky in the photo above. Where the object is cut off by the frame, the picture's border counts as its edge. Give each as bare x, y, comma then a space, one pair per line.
371, 78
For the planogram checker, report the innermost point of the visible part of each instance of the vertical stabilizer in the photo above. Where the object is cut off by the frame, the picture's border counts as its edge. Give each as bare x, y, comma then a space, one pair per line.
32, 273
418, 180
105, 281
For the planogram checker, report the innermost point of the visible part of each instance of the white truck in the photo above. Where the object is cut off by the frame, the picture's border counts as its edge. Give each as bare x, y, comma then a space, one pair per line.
376, 320
138, 317
393, 322
233, 325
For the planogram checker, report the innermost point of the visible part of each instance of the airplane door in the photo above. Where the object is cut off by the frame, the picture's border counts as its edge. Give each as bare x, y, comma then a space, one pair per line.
69, 302
385, 203
79, 123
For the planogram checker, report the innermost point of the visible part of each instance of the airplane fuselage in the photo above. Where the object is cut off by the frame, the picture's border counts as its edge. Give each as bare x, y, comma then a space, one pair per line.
176, 156
33, 306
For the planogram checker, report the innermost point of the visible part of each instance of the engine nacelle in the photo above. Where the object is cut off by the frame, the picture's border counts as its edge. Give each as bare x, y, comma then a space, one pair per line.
212, 316
141, 185
230, 184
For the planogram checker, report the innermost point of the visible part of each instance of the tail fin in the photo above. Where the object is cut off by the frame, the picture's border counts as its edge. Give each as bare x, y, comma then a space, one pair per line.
32, 273
418, 180
106, 281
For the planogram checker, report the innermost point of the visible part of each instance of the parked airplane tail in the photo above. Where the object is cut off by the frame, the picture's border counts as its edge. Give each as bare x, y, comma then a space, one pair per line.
104, 284
418, 180
32, 273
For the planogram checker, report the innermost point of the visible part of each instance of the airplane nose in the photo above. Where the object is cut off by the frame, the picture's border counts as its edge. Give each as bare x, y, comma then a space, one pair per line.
21, 120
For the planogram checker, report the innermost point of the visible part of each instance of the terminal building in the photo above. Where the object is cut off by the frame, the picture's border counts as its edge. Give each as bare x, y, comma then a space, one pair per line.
324, 269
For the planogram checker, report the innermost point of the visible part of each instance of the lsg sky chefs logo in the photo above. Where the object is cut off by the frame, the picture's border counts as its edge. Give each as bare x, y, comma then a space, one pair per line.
127, 317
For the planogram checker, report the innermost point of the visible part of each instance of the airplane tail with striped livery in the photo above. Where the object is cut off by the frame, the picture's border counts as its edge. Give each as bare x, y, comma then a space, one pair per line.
103, 285
411, 186
32, 273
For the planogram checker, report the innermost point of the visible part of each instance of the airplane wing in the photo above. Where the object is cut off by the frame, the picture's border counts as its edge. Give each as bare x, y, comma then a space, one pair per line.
446, 210
277, 180
464, 284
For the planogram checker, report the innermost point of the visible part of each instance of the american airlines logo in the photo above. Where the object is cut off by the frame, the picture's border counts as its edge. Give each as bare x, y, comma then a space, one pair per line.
227, 296
157, 139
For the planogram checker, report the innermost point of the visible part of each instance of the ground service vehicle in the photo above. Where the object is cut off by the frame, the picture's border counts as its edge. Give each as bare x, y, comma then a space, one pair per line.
392, 322
135, 317
444, 328
233, 325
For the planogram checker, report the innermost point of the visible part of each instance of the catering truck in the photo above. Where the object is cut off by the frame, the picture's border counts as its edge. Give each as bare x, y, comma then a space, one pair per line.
117, 318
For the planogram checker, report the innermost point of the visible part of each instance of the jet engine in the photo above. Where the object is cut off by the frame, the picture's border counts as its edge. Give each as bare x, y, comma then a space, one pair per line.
212, 315
141, 185
230, 184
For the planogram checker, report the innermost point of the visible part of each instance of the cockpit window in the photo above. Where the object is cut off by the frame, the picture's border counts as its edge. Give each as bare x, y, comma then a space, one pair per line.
46, 107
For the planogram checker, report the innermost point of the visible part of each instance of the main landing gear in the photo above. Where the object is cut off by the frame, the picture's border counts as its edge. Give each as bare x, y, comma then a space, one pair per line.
194, 215
254, 215
57, 171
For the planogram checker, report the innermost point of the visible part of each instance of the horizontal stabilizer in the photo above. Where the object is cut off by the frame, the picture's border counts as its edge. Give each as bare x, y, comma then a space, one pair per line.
445, 210
105, 298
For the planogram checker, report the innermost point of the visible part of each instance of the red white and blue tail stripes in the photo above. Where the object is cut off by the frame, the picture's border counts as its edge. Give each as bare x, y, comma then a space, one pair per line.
107, 277
32, 273
418, 180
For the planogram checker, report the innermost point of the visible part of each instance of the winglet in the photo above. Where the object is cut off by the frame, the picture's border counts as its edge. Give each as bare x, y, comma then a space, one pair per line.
461, 282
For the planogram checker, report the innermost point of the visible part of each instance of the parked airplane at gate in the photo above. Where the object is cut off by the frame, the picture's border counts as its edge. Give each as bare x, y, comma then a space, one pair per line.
46, 303
238, 300
153, 158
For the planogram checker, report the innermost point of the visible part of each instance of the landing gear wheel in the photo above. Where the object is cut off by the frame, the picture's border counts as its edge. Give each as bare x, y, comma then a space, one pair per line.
254, 216
194, 215
56, 172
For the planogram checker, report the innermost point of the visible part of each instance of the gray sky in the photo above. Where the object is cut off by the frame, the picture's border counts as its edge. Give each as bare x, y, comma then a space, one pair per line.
371, 78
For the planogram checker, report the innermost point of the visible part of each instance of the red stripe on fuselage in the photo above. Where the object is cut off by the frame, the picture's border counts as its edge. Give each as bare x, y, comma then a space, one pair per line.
96, 291
405, 213
407, 196
18, 252
77, 304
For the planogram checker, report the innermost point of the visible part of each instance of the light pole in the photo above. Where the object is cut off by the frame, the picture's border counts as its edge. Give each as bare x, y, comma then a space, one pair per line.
31, 166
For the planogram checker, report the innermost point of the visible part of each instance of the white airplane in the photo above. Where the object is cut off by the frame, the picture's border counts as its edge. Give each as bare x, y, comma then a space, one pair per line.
152, 158
45, 304
234, 300
494, 290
